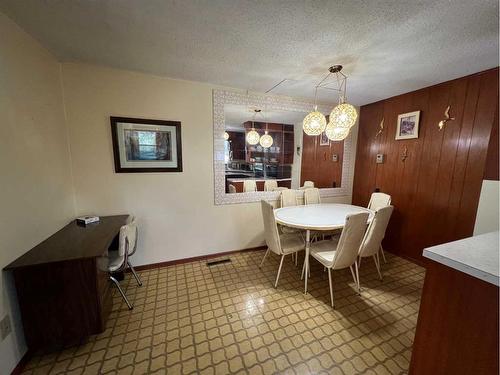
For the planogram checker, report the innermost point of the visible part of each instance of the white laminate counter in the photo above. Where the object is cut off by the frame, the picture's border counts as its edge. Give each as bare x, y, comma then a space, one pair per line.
477, 256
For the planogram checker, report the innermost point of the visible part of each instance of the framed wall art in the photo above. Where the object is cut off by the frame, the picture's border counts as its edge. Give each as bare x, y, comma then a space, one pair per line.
143, 145
407, 127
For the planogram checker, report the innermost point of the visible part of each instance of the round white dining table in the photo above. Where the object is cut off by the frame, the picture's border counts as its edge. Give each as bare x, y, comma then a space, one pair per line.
317, 217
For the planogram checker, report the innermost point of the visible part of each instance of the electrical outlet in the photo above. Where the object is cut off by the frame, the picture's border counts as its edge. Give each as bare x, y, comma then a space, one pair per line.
5, 327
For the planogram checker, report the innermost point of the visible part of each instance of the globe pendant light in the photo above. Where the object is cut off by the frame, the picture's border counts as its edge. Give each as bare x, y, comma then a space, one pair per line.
253, 137
343, 115
266, 140
314, 123
226, 136
335, 133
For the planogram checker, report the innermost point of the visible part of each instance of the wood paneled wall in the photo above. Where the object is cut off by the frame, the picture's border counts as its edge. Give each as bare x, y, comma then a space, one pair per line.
435, 190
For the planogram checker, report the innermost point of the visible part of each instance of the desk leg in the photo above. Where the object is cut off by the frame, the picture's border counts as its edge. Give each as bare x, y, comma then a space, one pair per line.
306, 260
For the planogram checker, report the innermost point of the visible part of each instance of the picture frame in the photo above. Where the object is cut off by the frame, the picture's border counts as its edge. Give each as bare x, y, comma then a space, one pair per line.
407, 126
145, 145
323, 139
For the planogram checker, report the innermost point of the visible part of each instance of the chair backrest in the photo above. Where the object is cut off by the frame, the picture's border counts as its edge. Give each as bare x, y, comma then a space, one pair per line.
232, 189
127, 239
269, 185
288, 198
378, 200
249, 185
308, 184
270, 228
375, 232
350, 240
280, 188
311, 196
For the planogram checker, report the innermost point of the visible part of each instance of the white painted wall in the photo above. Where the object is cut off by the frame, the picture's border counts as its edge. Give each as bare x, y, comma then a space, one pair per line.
488, 211
176, 211
36, 194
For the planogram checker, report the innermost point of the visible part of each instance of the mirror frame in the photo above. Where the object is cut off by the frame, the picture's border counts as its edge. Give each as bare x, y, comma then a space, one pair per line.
269, 102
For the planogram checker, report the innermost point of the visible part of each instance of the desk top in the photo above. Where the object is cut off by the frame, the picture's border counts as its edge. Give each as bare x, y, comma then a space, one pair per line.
74, 241
476, 256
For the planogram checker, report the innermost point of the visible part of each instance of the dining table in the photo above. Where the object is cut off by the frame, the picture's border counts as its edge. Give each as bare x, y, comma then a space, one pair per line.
317, 217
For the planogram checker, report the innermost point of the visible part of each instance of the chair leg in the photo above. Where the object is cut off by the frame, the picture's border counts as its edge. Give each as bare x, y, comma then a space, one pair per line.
279, 271
303, 268
357, 276
265, 255
331, 286
139, 282
353, 275
296, 259
383, 254
378, 266
130, 307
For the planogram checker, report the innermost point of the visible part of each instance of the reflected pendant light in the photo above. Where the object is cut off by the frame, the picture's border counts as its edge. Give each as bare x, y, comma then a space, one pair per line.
266, 140
314, 123
226, 136
335, 133
252, 136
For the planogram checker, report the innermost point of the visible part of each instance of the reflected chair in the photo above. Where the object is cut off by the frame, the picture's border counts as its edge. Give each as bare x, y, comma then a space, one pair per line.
307, 185
379, 200
373, 238
249, 186
232, 189
280, 188
269, 185
340, 253
311, 196
284, 244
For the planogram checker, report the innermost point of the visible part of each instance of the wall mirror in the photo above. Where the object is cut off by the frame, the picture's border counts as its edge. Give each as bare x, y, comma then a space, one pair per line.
260, 149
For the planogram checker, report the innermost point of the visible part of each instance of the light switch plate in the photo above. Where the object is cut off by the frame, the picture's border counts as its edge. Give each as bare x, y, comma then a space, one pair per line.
380, 158
5, 327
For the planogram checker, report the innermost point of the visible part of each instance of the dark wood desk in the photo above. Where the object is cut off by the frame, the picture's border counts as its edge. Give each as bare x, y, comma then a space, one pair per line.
62, 283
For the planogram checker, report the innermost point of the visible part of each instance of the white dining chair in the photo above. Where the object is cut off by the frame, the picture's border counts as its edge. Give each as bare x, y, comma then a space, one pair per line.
311, 196
307, 185
288, 198
249, 186
342, 252
379, 200
280, 188
118, 259
269, 185
132, 220
232, 189
284, 244
374, 235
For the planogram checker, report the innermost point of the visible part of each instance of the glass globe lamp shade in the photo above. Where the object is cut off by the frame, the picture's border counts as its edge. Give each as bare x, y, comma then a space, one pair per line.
253, 137
314, 123
335, 133
226, 136
343, 116
266, 140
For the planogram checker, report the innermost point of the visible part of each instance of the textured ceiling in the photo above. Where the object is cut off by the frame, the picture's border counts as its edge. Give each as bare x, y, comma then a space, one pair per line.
386, 47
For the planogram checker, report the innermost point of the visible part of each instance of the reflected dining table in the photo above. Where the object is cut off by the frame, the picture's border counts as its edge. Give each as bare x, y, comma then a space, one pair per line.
316, 217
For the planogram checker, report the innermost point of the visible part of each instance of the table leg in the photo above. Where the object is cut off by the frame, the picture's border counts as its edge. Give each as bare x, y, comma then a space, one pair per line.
306, 260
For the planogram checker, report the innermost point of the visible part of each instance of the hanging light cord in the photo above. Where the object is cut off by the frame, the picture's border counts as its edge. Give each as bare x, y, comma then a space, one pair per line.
341, 86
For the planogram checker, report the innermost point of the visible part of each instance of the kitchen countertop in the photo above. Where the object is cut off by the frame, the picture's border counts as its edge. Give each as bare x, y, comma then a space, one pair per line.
477, 256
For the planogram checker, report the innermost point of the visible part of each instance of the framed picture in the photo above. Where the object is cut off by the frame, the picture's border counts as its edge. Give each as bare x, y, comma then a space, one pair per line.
141, 145
408, 125
323, 140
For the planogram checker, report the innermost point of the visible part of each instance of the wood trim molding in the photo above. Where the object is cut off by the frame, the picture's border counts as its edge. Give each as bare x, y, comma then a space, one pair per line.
193, 259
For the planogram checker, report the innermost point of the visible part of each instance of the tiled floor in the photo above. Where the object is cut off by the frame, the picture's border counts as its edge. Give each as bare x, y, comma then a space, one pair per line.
228, 318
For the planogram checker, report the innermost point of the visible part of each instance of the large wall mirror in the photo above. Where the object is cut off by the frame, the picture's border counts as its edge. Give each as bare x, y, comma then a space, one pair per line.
278, 156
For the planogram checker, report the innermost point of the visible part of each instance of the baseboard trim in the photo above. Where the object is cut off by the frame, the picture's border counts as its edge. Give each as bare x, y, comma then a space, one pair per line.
20, 366
194, 259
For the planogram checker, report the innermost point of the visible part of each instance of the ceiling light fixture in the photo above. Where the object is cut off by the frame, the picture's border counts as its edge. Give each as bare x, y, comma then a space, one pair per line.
266, 140
252, 136
226, 136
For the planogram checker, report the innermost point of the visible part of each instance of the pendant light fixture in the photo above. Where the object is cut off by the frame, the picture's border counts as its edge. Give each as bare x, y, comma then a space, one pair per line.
266, 140
226, 136
343, 116
252, 136
315, 122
